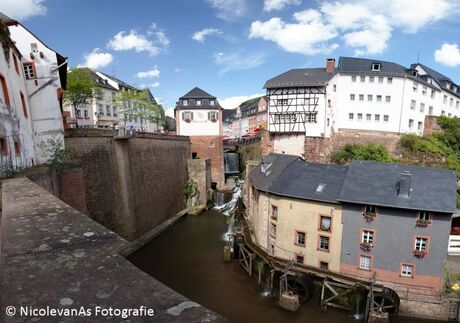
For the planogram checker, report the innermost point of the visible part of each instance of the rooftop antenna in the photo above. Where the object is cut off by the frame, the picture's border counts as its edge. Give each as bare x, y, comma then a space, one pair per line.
418, 56
113, 71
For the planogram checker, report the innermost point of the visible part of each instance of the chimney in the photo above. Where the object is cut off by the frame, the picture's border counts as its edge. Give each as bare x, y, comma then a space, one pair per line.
404, 185
330, 65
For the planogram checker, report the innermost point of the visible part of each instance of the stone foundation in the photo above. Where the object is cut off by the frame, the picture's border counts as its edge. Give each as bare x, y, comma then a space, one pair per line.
210, 147
199, 170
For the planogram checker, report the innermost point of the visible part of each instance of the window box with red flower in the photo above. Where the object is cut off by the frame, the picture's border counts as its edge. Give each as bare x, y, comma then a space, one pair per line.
366, 246
419, 253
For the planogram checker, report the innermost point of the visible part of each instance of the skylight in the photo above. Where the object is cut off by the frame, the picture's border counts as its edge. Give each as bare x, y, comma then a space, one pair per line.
320, 188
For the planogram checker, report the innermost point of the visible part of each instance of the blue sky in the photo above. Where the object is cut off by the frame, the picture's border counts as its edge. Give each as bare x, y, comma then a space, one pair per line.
231, 47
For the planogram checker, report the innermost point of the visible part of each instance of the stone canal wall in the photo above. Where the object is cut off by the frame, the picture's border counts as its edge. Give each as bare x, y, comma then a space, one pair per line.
132, 184
52, 255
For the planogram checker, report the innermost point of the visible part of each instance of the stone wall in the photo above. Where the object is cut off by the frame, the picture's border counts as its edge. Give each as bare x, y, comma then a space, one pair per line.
199, 170
132, 184
250, 152
346, 136
431, 125
211, 147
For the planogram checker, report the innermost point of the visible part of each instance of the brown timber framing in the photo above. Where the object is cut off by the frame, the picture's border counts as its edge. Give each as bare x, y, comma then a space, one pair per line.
292, 117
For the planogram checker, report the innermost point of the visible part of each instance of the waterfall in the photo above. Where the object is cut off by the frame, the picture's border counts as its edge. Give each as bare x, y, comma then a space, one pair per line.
228, 208
218, 198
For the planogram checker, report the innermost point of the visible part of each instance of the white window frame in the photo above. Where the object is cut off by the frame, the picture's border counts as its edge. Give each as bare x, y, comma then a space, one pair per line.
365, 262
407, 270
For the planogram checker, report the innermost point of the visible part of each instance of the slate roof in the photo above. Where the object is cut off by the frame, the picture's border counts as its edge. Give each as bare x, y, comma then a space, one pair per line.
432, 189
198, 94
364, 65
301, 77
362, 182
440, 79
228, 114
291, 176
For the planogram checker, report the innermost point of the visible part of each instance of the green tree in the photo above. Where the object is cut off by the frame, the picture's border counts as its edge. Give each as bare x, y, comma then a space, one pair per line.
362, 152
5, 41
81, 89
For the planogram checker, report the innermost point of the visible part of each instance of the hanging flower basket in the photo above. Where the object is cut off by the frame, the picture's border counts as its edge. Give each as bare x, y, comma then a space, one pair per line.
213, 119
419, 253
369, 216
188, 120
422, 223
324, 228
366, 246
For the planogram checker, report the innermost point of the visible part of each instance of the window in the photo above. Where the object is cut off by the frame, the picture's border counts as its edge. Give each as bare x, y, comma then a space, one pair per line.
422, 107
100, 108
365, 262
23, 102
4, 96
380, 79
329, 104
451, 102
187, 116
407, 270
390, 80
370, 209
387, 99
324, 243
379, 98
324, 265
311, 117
282, 101
371, 79
443, 113
377, 117
3, 146
274, 212
325, 223
360, 116
351, 116
424, 90
420, 244
414, 86
352, 97
412, 104
386, 118
411, 123
424, 216
444, 100
211, 102
300, 238
273, 229
376, 66
362, 78
420, 126
369, 97
16, 66
78, 113
185, 102
213, 116
115, 112
320, 188
334, 88
430, 110
368, 117
85, 113
433, 93
367, 236
108, 111
457, 104
198, 102
17, 148
299, 259
29, 70
361, 97
353, 78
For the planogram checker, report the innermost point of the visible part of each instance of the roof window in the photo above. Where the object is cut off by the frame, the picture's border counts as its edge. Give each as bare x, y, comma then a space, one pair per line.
376, 66
320, 188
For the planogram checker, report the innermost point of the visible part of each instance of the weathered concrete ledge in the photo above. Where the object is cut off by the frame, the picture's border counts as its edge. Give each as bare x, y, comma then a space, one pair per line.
95, 132
52, 255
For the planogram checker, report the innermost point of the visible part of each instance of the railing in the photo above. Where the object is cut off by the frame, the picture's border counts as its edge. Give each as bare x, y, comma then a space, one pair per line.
242, 141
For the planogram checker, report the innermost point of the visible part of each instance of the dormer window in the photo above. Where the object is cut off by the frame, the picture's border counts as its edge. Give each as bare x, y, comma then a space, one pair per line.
211, 102
415, 73
448, 85
198, 102
185, 102
376, 67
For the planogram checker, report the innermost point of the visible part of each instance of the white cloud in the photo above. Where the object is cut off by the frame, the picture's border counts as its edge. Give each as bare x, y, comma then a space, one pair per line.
236, 61
270, 5
96, 59
151, 85
201, 34
229, 9
364, 25
307, 36
22, 9
149, 74
234, 101
448, 54
153, 43
177, 70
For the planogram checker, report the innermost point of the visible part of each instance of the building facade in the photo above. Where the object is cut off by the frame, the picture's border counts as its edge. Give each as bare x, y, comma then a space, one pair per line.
248, 117
199, 115
365, 220
310, 105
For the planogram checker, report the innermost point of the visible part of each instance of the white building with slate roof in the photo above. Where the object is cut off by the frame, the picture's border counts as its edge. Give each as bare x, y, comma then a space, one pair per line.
358, 94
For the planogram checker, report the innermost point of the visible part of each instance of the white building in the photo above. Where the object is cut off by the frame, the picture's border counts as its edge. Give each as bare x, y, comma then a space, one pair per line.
360, 94
45, 72
106, 111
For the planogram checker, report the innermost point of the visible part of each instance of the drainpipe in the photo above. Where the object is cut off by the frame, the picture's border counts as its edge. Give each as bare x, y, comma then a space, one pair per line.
402, 105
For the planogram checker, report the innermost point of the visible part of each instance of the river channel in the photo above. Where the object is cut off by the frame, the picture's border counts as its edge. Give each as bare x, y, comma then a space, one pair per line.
189, 258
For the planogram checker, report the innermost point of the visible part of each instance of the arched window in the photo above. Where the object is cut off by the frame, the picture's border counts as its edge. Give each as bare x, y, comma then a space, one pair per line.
4, 97
23, 102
